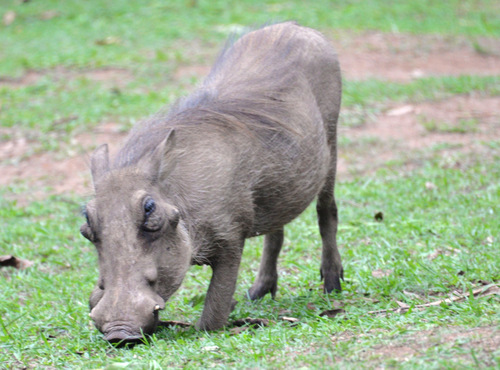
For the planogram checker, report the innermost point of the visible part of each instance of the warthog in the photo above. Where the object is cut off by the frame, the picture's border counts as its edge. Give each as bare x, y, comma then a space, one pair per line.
242, 156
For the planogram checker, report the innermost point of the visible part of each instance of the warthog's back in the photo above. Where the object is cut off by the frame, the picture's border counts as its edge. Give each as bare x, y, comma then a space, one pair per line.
282, 60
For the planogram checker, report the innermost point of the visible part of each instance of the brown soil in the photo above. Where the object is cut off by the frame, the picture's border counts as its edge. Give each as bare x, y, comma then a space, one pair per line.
400, 131
398, 57
68, 174
393, 134
114, 77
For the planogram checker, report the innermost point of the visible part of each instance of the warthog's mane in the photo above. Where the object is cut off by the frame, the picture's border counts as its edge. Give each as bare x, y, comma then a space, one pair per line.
236, 95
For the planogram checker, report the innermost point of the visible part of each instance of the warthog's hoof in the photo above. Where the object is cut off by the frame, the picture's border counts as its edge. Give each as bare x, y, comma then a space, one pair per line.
259, 289
332, 281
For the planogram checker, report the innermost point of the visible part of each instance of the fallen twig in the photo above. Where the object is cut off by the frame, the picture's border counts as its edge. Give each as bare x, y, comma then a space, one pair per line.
403, 307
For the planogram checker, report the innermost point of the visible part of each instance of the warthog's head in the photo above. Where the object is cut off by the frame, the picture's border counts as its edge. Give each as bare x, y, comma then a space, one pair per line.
142, 245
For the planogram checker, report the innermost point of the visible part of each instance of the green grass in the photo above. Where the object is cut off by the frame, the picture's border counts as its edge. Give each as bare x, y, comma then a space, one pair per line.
44, 309
434, 240
461, 127
111, 30
374, 91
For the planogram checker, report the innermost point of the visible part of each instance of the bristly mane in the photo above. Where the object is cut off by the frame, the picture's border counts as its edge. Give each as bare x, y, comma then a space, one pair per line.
237, 94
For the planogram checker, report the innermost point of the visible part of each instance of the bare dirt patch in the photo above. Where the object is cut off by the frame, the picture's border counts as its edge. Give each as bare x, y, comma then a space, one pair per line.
194, 71
69, 174
401, 58
114, 77
459, 123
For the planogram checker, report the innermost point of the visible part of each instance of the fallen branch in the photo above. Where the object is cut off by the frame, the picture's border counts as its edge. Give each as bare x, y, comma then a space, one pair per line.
479, 292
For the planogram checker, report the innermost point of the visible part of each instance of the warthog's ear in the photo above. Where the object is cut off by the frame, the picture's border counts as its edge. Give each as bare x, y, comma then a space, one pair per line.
162, 162
99, 162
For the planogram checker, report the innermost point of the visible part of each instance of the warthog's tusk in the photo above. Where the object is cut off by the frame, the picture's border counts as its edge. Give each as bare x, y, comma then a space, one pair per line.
157, 307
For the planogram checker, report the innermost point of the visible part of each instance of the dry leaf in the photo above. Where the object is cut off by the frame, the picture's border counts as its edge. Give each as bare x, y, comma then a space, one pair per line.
210, 348
400, 111
174, 323
238, 330
369, 300
430, 186
11, 261
110, 40
9, 17
446, 251
311, 306
411, 294
290, 319
248, 321
493, 289
49, 14
482, 282
434, 255
489, 240
381, 273
332, 313
402, 304
337, 304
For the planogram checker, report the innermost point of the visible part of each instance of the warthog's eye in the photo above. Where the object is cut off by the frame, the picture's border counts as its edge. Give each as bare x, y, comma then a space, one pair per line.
153, 221
149, 206
86, 215
87, 233
86, 230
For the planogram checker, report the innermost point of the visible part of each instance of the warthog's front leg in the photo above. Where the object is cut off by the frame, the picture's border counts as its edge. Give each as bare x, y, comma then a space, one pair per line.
219, 300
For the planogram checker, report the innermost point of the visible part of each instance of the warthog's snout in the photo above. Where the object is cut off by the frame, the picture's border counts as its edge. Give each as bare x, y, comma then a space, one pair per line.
129, 320
121, 334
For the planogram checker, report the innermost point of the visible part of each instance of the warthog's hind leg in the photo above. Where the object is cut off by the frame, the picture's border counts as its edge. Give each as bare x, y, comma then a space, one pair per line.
331, 264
